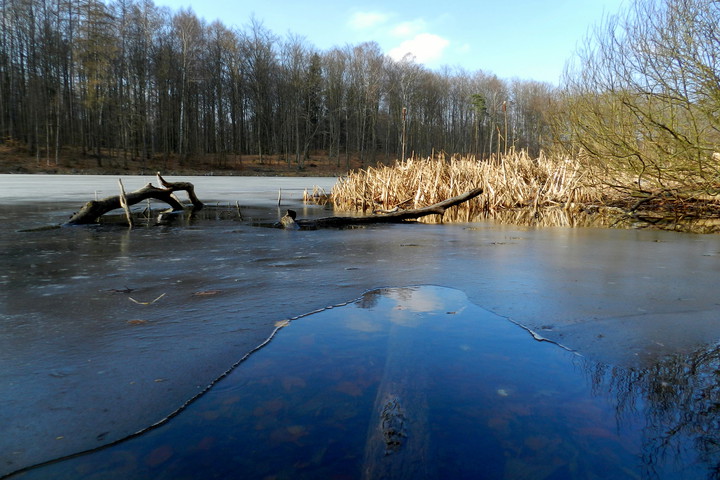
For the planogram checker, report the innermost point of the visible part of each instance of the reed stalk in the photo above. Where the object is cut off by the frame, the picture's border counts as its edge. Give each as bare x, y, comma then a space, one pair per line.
511, 181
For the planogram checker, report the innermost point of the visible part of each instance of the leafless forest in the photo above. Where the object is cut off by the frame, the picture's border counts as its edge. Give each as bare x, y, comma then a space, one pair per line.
637, 108
131, 78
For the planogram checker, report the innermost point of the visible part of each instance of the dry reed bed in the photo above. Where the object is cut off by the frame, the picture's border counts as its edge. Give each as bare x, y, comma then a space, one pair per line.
513, 181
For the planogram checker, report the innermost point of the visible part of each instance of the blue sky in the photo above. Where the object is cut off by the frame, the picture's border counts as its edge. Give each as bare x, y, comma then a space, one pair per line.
525, 39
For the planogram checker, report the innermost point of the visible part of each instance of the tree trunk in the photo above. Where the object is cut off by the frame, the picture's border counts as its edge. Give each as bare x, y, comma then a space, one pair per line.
93, 210
399, 432
398, 216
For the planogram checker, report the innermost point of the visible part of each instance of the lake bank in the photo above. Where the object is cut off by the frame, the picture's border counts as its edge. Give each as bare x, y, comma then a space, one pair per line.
18, 161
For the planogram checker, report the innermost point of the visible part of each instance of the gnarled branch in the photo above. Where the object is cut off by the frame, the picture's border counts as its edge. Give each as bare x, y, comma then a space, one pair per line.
94, 209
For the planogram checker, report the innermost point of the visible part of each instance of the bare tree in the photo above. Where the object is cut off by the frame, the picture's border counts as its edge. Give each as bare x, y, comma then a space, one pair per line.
259, 52
642, 102
98, 52
127, 78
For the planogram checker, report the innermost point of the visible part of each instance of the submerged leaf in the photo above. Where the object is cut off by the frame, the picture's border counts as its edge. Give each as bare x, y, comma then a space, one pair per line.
207, 293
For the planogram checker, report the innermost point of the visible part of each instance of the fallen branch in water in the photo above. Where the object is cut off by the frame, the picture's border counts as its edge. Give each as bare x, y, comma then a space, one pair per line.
398, 216
93, 210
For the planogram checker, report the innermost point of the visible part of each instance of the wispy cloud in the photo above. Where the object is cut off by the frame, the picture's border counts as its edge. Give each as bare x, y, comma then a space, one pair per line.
399, 38
366, 20
406, 29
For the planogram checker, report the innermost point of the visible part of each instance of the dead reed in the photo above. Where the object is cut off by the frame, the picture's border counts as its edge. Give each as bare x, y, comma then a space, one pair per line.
512, 181
318, 196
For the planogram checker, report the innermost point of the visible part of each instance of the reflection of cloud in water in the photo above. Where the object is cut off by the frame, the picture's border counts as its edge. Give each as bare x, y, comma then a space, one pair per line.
402, 306
410, 302
403, 317
416, 300
358, 321
422, 300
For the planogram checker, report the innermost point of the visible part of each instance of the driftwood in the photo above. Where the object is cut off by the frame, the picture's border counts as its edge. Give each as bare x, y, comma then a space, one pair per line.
94, 209
398, 438
399, 216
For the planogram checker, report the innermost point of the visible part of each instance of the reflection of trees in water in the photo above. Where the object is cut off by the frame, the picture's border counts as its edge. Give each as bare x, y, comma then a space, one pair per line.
370, 299
592, 216
402, 295
679, 401
547, 217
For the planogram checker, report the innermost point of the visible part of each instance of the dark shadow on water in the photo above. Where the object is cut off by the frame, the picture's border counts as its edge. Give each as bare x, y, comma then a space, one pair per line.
418, 382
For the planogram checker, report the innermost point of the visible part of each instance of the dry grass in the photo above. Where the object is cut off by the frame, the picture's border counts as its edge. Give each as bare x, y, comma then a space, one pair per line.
514, 181
318, 196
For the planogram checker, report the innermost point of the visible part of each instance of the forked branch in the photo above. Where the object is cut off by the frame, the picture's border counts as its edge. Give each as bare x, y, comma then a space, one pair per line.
94, 209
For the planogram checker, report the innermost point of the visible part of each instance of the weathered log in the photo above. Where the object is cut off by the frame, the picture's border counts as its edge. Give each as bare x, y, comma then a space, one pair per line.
398, 437
398, 216
94, 209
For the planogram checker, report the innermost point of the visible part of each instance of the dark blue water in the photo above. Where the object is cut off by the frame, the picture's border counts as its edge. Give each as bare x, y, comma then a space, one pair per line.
477, 397
105, 331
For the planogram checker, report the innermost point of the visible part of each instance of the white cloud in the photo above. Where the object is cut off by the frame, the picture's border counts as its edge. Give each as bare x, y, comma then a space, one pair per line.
365, 20
406, 29
409, 37
425, 47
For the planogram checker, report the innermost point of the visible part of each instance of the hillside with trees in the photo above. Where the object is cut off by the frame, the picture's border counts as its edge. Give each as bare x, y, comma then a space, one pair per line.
128, 80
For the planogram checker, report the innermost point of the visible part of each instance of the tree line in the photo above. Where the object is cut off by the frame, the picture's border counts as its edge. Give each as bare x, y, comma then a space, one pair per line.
131, 79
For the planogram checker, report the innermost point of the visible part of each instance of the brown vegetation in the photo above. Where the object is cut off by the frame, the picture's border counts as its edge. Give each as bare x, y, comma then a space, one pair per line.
16, 159
509, 182
518, 189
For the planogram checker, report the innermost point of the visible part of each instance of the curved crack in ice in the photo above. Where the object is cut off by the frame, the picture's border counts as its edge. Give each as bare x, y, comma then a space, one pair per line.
278, 326
540, 338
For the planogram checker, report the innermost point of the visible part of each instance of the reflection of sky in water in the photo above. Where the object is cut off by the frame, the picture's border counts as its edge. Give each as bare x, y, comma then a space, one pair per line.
479, 399
410, 302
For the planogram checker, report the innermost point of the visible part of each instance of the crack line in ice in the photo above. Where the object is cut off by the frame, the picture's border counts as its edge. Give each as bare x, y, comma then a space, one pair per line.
278, 325
540, 338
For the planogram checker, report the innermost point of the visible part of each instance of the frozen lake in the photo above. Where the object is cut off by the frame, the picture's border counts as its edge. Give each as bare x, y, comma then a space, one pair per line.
106, 331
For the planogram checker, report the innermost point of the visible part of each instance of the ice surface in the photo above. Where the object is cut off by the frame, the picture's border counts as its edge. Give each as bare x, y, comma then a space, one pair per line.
84, 365
419, 383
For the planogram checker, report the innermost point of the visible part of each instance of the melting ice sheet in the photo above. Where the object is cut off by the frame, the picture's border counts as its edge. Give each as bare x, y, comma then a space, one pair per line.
418, 382
104, 330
